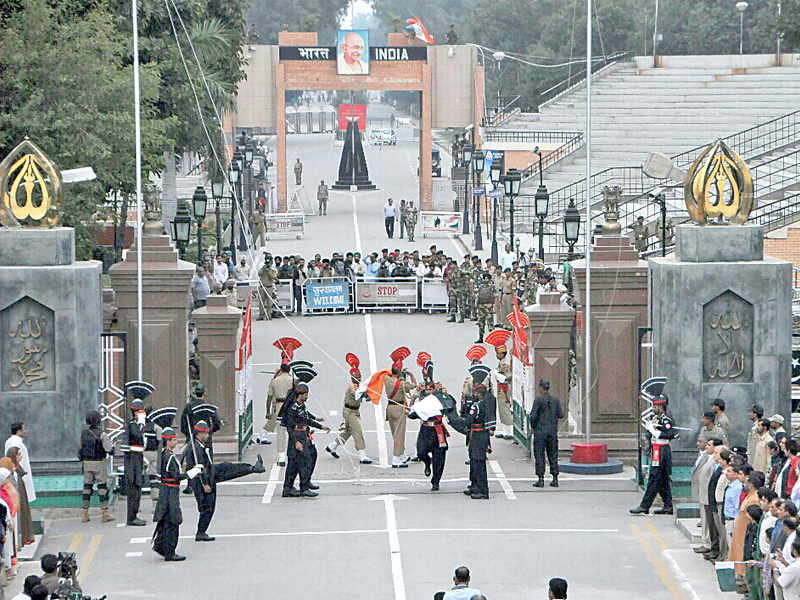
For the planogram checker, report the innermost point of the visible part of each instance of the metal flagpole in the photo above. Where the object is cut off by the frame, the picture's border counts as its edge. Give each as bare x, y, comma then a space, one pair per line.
138, 128
587, 320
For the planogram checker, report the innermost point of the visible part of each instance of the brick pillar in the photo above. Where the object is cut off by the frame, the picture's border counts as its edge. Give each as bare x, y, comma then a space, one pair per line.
619, 308
165, 298
548, 337
425, 144
280, 129
217, 344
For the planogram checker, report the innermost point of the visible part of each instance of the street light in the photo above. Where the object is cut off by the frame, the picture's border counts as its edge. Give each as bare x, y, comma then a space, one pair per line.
181, 228
199, 205
572, 230
511, 184
478, 163
234, 179
466, 158
741, 7
217, 188
541, 204
495, 173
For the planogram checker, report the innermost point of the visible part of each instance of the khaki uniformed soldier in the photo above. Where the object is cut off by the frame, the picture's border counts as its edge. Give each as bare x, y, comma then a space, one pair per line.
352, 421
95, 447
639, 234
266, 293
506, 298
411, 220
454, 293
298, 172
485, 298
276, 394
504, 394
259, 229
322, 197
396, 387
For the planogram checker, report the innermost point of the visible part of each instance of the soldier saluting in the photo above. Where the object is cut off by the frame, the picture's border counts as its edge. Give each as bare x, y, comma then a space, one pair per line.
660, 431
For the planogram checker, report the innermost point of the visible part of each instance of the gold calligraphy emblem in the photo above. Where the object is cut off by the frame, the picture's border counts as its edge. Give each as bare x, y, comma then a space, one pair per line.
719, 186
731, 359
30, 186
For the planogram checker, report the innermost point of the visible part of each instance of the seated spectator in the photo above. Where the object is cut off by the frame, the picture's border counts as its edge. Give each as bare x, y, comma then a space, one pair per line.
461, 590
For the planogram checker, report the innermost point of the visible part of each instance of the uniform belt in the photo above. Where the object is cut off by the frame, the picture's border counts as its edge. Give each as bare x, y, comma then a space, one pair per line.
170, 483
352, 407
426, 424
134, 448
478, 428
301, 428
661, 443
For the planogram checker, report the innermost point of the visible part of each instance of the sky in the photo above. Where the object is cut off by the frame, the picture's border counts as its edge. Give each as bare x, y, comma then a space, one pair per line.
359, 6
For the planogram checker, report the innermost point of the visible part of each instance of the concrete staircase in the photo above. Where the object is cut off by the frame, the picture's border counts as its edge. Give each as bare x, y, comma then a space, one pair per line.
639, 111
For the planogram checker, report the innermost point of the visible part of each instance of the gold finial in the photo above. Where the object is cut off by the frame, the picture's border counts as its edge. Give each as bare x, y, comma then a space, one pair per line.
719, 186
30, 185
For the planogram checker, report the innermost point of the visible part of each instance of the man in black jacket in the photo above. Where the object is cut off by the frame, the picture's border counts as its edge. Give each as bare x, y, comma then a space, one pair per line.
545, 413
205, 486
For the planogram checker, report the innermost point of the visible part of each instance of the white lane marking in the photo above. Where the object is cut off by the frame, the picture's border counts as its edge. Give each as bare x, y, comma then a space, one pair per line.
121, 524
333, 413
418, 530
394, 545
452, 480
132, 554
140, 540
355, 226
273, 483
383, 452
678, 574
502, 479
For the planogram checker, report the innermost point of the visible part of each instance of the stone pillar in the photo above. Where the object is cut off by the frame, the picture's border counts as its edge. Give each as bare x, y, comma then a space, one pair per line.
619, 308
548, 337
722, 326
165, 295
217, 343
50, 324
425, 143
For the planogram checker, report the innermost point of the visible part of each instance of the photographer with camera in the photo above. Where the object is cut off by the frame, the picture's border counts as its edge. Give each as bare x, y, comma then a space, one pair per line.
95, 447
60, 574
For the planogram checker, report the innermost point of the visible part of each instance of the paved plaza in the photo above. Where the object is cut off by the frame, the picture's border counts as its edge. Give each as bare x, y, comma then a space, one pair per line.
376, 532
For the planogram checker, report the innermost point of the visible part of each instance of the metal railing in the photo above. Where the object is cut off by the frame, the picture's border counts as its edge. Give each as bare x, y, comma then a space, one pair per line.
753, 141
598, 64
493, 117
526, 136
564, 150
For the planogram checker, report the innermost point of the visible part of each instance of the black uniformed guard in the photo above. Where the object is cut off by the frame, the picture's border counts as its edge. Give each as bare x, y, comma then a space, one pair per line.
300, 457
480, 418
432, 443
168, 515
152, 446
205, 486
660, 431
134, 463
189, 419
545, 413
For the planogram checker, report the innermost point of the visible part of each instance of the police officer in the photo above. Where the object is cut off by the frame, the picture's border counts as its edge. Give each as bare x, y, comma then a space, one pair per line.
485, 305
168, 510
660, 431
152, 445
134, 463
95, 446
299, 453
480, 420
205, 486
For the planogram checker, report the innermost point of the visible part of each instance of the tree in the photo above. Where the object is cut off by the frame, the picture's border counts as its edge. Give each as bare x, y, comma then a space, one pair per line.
271, 16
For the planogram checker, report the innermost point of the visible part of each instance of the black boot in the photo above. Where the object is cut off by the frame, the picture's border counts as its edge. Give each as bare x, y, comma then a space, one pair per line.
452, 318
480, 339
540, 483
259, 466
554, 483
461, 319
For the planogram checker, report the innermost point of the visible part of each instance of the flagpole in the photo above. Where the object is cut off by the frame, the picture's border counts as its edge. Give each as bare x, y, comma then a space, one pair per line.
138, 129
587, 321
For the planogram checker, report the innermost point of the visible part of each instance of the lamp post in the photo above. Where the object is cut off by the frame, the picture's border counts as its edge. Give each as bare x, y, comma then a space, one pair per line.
199, 205
216, 191
659, 199
541, 203
478, 163
233, 175
572, 229
466, 158
495, 173
741, 7
181, 228
511, 183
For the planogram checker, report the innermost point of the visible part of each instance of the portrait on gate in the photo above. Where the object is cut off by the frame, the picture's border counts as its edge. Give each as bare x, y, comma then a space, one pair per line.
352, 52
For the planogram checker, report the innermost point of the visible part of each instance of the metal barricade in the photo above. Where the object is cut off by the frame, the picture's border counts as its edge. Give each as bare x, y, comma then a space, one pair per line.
284, 294
387, 293
327, 295
245, 433
434, 295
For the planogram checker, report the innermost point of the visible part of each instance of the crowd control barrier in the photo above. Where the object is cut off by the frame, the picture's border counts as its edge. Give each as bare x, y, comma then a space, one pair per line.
284, 294
285, 225
327, 296
434, 295
389, 293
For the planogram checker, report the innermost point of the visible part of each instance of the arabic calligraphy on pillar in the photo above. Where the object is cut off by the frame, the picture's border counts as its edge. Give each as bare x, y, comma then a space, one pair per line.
30, 188
27, 347
731, 358
728, 339
25, 358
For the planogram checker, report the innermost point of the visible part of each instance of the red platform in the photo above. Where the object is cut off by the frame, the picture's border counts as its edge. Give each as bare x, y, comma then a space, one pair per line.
591, 453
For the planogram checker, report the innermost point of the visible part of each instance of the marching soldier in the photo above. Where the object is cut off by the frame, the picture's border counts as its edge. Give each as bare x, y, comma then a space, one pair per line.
95, 447
152, 445
504, 394
168, 510
322, 197
432, 439
485, 298
480, 420
396, 387
455, 293
266, 292
352, 421
660, 431
412, 214
300, 459
134, 463
205, 486
278, 389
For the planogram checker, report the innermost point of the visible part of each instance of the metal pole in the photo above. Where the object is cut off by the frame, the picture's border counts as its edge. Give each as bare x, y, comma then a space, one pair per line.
587, 321
233, 222
478, 233
663, 226
655, 37
494, 229
465, 229
511, 212
541, 238
741, 32
199, 240
137, 117
219, 227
